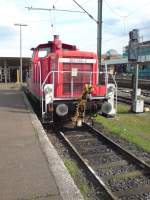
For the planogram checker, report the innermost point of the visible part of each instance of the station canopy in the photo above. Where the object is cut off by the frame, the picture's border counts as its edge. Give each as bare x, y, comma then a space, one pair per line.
14, 61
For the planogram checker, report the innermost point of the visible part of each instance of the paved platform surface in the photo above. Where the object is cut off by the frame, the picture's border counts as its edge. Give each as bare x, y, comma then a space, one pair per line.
25, 171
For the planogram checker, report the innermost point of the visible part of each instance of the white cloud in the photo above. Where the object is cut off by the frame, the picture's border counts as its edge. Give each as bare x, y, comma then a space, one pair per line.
74, 28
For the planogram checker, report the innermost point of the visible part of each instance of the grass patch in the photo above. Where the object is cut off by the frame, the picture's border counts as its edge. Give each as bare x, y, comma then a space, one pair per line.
132, 127
78, 178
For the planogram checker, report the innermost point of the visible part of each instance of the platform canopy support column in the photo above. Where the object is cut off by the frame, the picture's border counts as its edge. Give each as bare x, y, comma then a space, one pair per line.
5, 71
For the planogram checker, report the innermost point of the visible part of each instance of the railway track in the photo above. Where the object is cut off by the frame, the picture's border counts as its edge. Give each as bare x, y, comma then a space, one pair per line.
127, 100
122, 175
128, 91
124, 96
124, 99
127, 82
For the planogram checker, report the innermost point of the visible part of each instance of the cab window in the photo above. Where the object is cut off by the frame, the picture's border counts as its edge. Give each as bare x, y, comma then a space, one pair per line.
43, 52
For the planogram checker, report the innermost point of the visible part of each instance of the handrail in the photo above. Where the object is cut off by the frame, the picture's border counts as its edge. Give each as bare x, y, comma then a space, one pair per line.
106, 76
81, 72
116, 86
41, 89
39, 66
113, 78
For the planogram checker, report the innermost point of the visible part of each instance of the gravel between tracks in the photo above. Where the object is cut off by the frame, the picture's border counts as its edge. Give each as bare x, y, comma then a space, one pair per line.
140, 153
93, 193
117, 185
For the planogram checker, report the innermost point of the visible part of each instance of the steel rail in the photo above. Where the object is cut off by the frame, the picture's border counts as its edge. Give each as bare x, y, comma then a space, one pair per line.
123, 151
144, 168
128, 100
95, 177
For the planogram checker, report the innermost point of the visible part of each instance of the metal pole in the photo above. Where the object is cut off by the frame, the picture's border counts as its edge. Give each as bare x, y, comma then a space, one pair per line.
99, 32
134, 105
20, 70
20, 55
136, 80
5, 71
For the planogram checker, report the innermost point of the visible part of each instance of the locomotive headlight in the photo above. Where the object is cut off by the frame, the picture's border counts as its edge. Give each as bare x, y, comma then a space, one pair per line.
49, 93
106, 107
62, 110
110, 90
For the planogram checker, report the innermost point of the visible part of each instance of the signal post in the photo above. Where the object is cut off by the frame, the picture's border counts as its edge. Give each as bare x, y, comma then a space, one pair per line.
133, 53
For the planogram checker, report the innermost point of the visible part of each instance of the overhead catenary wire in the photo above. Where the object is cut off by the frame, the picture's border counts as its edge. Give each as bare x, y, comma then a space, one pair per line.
123, 16
51, 9
113, 11
52, 24
125, 34
54, 18
56, 1
85, 2
86, 11
116, 13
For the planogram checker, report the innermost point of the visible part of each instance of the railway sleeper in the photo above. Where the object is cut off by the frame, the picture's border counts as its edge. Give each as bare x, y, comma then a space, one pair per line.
135, 173
133, 191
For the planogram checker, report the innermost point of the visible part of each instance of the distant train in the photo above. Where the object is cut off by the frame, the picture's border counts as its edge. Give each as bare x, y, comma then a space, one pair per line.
65, 81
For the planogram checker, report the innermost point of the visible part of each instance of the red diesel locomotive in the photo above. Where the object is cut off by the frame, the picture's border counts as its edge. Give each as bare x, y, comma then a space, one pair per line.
61, 76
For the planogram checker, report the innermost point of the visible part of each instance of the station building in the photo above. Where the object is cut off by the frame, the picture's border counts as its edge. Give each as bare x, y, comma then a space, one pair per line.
120, 65
144, 58
9, 67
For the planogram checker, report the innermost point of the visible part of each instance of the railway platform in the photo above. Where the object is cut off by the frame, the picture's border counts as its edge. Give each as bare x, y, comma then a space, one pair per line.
30, 167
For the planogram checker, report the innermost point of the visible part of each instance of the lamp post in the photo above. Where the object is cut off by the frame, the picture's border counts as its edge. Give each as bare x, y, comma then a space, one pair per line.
99, 37
20, 25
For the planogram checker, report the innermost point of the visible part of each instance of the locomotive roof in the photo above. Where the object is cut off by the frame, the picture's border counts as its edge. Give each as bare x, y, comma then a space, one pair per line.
51, 43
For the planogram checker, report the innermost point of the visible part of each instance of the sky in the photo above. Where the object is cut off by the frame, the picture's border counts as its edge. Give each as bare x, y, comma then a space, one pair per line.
119, 17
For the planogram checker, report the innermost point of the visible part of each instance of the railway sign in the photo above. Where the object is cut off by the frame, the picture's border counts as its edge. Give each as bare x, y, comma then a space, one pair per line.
74, 72
133, 49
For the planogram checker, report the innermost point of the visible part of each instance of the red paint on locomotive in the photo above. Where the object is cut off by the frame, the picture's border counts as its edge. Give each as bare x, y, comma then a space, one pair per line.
61, 61
58, 75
